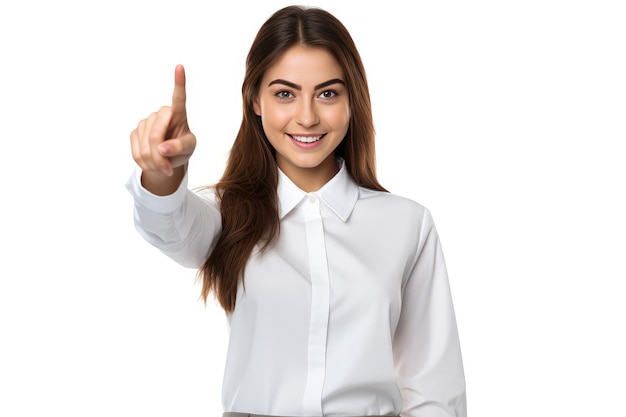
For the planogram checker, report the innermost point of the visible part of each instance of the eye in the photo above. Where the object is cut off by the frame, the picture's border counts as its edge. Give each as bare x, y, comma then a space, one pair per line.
284, 95
328, 94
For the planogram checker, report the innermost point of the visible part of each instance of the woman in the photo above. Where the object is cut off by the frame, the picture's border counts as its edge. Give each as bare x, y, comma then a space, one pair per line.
336, 291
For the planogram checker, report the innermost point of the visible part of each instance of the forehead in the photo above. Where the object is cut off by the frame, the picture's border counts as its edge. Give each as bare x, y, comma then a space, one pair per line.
304, 64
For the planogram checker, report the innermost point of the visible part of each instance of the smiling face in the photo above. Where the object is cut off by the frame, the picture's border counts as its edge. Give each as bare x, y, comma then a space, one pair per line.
304, 108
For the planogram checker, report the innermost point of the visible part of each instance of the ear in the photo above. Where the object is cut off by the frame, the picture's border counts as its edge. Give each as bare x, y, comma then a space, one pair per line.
256, 106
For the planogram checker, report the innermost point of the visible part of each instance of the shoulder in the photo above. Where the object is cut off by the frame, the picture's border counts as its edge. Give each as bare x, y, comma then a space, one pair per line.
393, 203
207, 193
389, 214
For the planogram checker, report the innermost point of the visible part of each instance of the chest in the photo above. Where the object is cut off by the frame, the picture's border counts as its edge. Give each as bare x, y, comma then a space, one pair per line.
355, 268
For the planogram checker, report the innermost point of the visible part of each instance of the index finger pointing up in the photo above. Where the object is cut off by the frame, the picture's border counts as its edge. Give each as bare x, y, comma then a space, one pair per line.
180, 96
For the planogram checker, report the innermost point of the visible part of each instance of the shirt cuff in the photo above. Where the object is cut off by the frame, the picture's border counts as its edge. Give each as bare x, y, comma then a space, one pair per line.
156, 203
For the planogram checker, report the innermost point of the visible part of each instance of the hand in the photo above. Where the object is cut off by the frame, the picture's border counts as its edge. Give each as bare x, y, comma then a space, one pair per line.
163, 141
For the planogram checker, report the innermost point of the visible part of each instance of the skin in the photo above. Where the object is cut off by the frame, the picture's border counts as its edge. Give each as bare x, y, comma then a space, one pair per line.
303, 96
162, 143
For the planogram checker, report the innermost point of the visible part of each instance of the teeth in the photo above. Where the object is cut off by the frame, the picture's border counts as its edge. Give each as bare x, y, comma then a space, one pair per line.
307, 139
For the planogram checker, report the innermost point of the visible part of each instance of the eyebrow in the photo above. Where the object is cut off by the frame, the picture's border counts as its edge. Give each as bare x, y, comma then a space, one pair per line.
299, 88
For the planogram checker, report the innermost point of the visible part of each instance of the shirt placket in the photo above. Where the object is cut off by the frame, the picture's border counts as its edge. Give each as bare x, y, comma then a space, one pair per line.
320, 306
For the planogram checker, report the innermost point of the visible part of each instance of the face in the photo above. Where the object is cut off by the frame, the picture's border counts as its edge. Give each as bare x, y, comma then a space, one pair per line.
304, 108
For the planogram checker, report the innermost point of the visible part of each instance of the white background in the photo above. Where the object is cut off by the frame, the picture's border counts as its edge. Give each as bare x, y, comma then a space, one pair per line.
505, 118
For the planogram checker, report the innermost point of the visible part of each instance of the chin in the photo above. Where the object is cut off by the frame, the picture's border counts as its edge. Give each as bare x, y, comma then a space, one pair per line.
310, 163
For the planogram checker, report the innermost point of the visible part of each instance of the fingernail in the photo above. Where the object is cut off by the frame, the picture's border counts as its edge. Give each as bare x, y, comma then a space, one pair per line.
164, 149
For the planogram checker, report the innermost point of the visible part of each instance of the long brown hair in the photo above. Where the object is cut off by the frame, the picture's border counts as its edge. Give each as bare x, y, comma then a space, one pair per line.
247, 191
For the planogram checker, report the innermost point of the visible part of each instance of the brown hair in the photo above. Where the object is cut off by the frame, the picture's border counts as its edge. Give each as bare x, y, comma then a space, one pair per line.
247, 191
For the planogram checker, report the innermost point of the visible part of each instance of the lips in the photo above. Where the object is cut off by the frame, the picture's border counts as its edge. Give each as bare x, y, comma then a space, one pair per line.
307, 138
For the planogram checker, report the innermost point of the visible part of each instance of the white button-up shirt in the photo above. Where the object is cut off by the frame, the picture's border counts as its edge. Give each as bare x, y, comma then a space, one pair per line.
348, 313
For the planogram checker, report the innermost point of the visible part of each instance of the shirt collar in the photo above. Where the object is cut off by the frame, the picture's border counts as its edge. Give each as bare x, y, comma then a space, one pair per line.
340, 194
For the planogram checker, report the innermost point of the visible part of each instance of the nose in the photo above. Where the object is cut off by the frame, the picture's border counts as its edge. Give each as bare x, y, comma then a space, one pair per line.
307, 114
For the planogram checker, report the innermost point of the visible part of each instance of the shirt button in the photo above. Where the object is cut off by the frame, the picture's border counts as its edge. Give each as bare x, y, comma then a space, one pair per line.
312, 199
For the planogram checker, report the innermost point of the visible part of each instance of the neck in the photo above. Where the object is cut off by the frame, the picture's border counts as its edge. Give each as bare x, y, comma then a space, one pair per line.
314, 178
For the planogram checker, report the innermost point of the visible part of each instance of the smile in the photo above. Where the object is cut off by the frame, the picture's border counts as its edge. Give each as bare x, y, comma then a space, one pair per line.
307, 139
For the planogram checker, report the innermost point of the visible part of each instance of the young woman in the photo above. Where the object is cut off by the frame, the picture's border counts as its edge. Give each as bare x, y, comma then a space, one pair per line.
335, 289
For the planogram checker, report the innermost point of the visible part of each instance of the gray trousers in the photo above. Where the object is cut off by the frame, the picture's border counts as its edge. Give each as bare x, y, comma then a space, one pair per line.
235, 414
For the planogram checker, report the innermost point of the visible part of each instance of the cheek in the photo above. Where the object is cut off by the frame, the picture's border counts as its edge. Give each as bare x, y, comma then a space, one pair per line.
275, 117
339, 118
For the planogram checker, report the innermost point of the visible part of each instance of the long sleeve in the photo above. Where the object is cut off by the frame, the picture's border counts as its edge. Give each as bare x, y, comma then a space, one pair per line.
427, 352
183, 225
